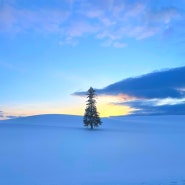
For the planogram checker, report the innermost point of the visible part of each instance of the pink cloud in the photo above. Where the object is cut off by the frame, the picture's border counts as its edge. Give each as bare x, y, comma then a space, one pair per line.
163, 16
12, 19
79, 28
119, 44
107, 20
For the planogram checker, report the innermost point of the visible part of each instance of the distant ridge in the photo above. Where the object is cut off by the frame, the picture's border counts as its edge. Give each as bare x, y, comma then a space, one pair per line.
44, 119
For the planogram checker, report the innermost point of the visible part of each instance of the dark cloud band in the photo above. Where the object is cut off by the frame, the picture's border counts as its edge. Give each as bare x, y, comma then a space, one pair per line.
156, 85
161, 84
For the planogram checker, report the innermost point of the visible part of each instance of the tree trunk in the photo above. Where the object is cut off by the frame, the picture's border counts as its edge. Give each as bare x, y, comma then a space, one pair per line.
91, 126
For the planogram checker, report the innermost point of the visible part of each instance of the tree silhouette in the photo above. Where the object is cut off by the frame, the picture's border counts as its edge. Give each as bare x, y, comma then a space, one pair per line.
91, 116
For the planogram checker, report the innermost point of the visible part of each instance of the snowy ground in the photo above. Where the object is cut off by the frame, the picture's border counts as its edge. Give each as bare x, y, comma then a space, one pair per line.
57, 150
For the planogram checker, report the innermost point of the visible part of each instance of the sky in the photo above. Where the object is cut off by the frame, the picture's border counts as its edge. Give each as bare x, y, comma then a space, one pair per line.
52, 51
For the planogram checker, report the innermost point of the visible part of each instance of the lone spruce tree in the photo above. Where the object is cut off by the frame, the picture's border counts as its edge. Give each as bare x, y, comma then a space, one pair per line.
91, 116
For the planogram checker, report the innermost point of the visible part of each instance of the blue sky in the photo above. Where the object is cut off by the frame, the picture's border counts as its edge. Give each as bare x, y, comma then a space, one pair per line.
51, 49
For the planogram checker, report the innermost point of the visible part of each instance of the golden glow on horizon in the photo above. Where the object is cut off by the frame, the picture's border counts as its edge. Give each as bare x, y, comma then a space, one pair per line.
106, 106
107, 110
104, 109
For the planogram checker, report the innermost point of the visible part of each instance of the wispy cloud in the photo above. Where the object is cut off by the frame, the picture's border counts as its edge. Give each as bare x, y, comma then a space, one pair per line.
1, 113
107, 20
153, 107
4, 115
17, 20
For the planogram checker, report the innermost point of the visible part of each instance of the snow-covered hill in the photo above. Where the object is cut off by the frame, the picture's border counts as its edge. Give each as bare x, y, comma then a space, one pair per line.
58, 150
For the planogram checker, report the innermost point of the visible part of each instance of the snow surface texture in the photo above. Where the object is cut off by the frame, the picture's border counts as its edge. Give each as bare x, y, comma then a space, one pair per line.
58, 150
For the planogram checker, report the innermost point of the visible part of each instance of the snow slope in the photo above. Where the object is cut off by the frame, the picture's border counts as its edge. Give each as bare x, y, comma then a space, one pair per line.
58, 150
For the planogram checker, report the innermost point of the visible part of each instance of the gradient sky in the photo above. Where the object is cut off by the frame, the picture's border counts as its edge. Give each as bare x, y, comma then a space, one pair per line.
51, 49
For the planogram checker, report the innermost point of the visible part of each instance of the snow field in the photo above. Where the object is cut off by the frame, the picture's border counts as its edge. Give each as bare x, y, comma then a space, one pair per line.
57, 150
